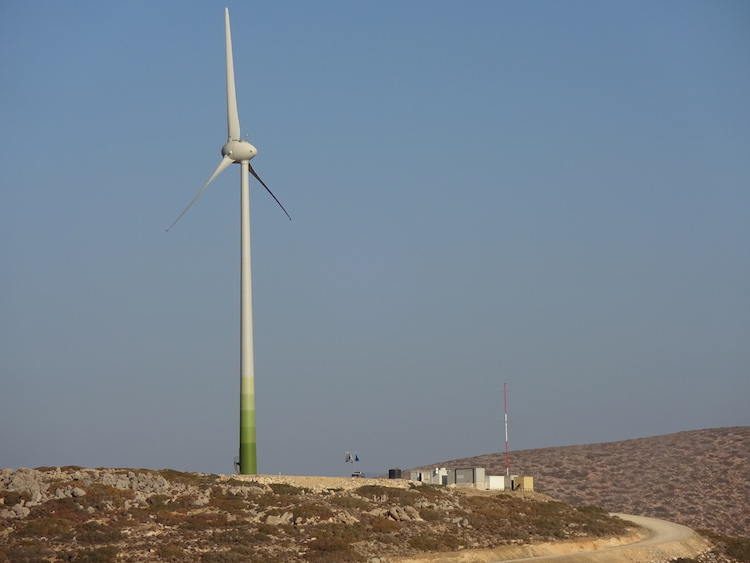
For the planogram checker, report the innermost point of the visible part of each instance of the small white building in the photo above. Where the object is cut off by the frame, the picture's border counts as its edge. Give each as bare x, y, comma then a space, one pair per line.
495, 482
510, 482
436, 476
473, 477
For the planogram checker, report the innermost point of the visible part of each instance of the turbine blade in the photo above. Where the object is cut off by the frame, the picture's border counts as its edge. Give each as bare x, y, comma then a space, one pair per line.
225, 162
252, 171
233, 118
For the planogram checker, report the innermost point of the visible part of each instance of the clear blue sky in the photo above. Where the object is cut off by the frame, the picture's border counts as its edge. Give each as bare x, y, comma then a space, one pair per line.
552, 194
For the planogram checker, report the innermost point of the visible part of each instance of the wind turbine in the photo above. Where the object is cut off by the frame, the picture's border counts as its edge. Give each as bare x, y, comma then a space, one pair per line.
241, 151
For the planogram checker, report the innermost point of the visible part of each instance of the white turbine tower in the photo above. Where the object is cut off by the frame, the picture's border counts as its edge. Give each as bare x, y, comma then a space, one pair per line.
241, 151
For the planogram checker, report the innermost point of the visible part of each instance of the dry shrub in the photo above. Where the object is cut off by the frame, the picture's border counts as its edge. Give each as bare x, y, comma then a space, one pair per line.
424, 543
429, 515
288, 490
50, 527
331, 549
106, 554
94, 532
312, 511
349, 502
269, 529
170, 552
380, 493
203, 521
380, 525
739, 548
226, 501
12, 498
235, 536
104, 497
67, 509
174, 476
223, 557
27, 553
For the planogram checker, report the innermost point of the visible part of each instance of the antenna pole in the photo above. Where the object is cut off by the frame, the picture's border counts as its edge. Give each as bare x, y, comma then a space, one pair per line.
505, 404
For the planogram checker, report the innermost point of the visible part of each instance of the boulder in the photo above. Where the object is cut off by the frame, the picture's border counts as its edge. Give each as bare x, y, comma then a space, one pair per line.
398, 514
202, 500
285, 518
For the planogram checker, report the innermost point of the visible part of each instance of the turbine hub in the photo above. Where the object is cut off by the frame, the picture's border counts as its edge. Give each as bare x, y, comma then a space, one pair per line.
239, 150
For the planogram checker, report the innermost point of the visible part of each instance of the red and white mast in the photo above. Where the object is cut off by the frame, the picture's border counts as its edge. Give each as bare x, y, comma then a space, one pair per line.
505, 404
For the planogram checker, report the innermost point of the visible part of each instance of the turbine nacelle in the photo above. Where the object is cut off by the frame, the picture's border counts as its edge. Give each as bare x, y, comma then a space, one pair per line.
238, 151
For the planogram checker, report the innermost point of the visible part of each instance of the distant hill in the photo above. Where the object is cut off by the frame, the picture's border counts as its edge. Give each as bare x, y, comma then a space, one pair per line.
698, 478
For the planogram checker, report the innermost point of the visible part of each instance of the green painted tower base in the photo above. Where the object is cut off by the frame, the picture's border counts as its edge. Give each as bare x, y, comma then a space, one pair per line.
248, 459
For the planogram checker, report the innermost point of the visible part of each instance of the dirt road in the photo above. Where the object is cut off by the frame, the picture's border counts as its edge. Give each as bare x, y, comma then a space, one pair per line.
661, 541
665, 540
661, 531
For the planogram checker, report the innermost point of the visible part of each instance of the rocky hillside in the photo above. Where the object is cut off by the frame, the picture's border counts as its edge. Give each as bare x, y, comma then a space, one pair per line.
81, 515
699, 478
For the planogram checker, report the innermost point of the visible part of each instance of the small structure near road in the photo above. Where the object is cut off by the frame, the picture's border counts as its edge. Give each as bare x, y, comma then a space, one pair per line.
473, 477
